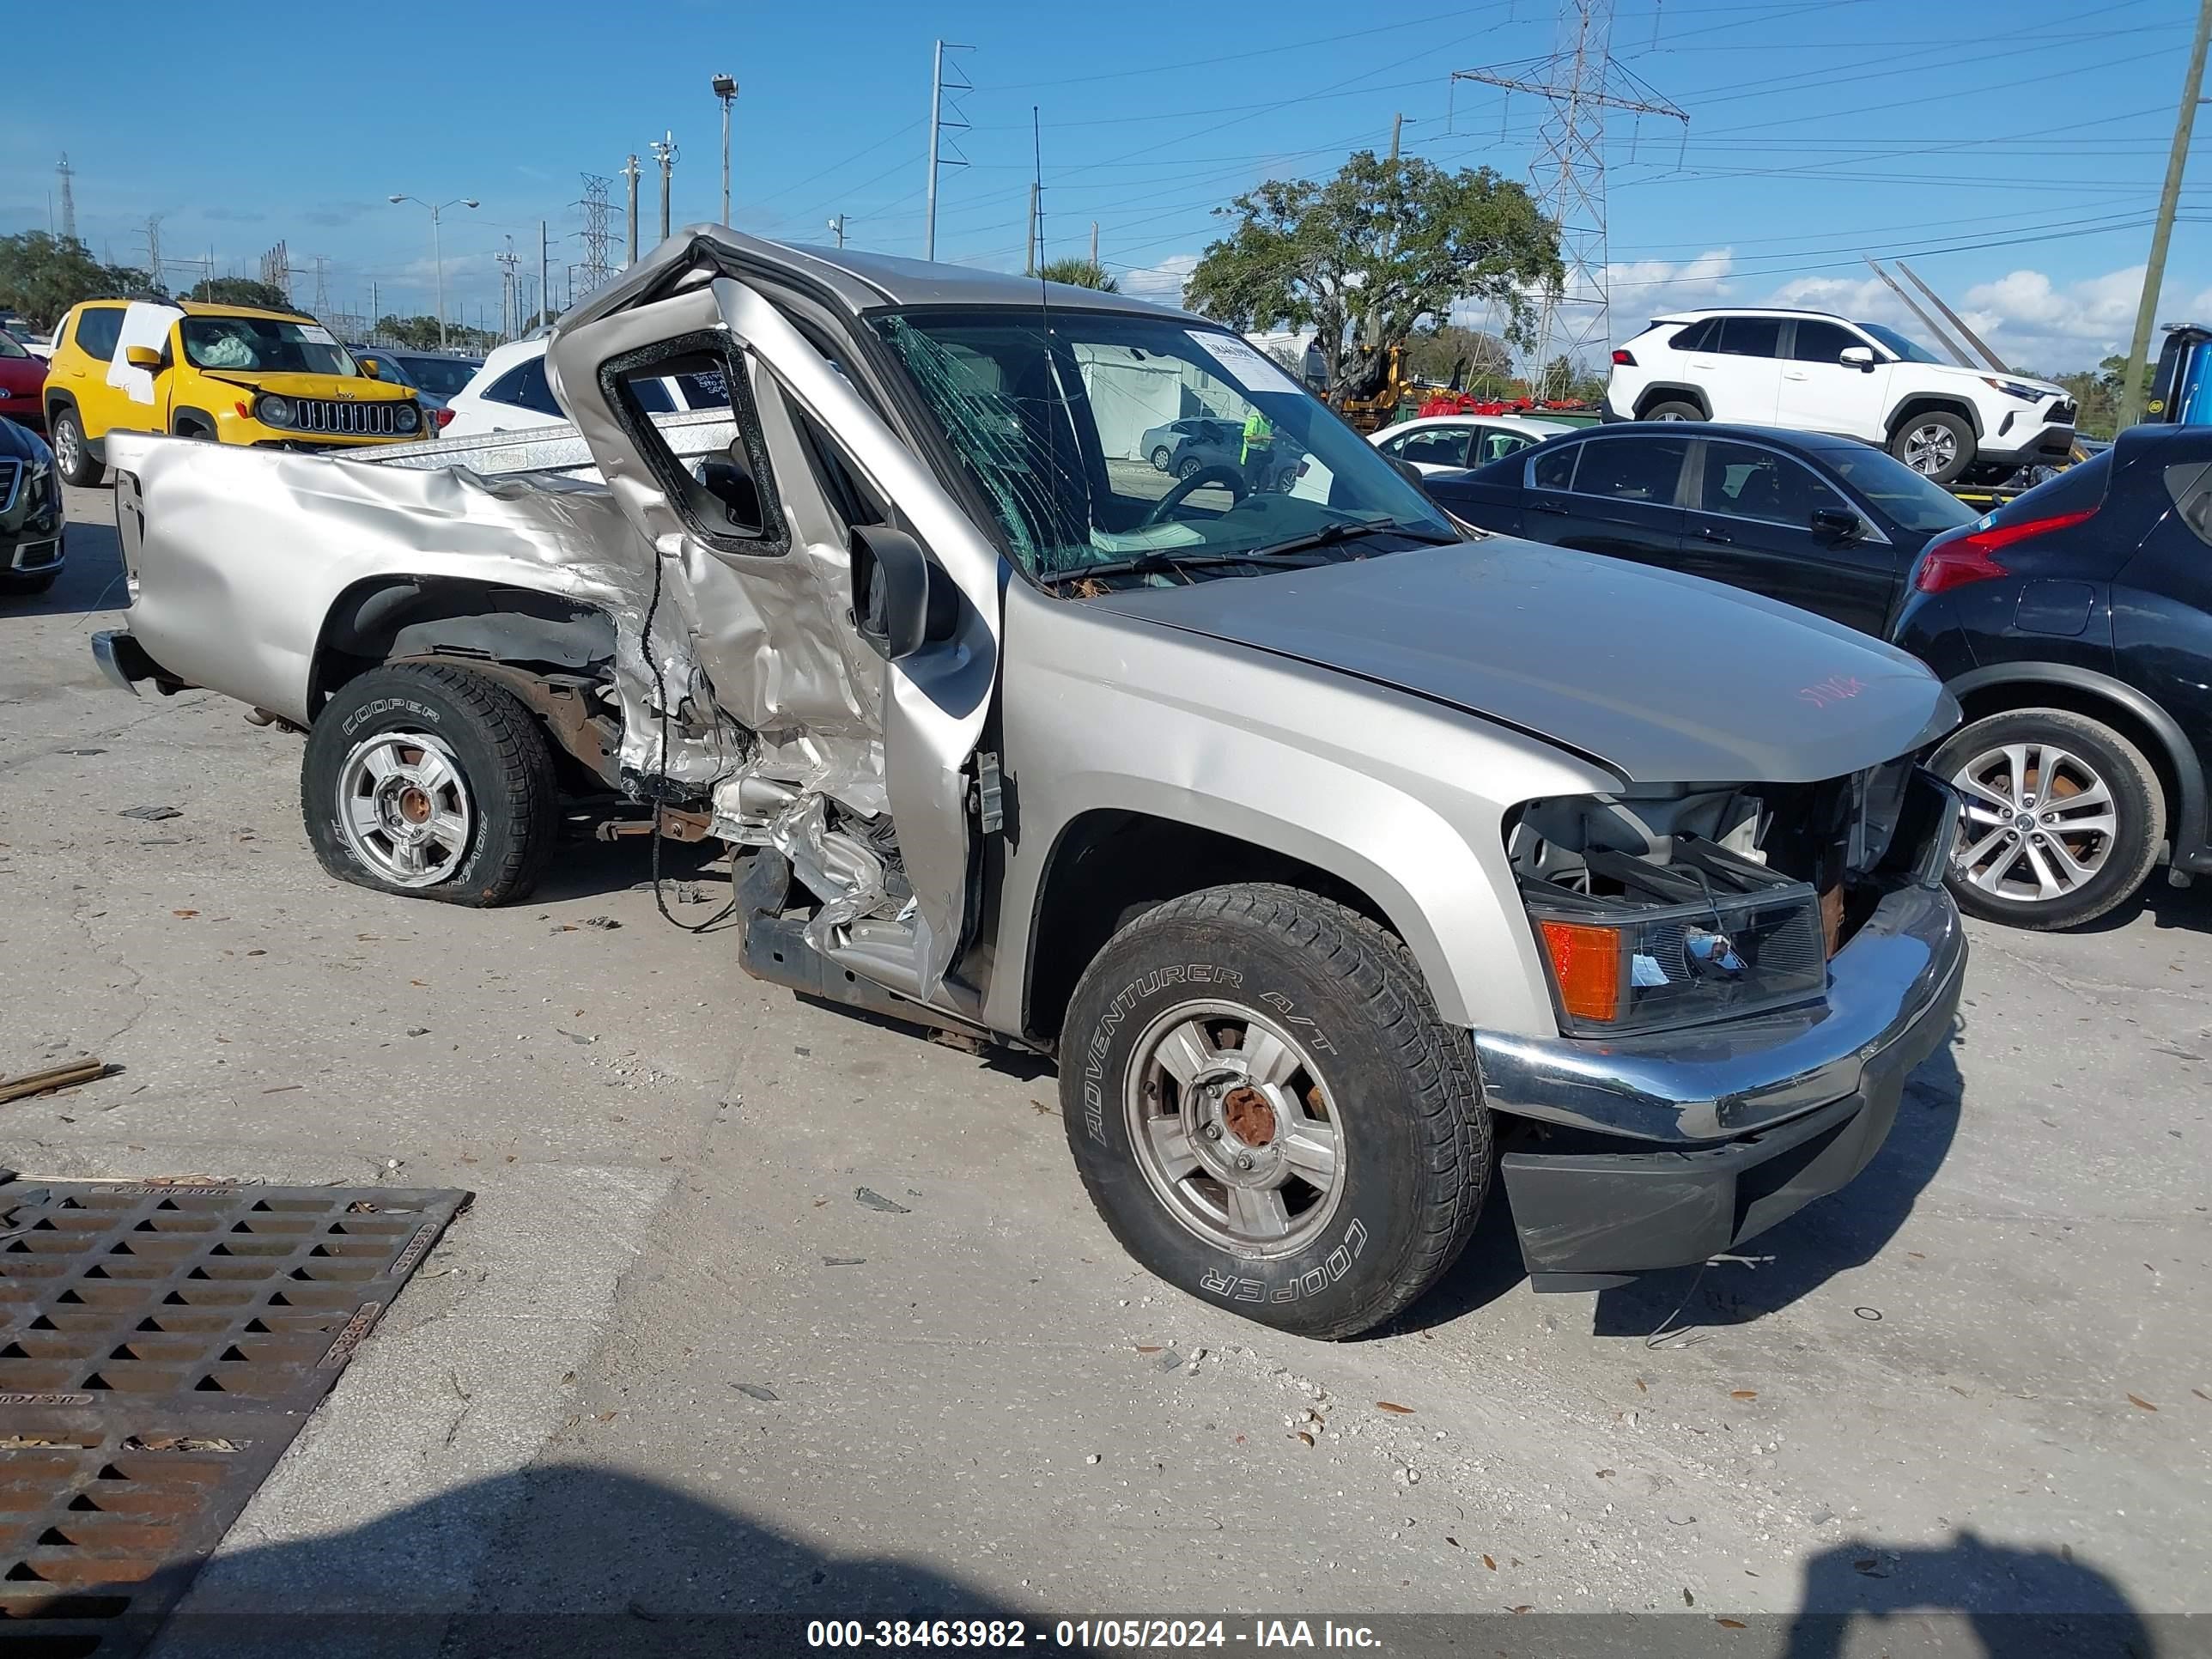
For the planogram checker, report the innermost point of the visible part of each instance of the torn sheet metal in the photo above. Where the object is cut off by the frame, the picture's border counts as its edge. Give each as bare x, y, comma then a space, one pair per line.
243, 554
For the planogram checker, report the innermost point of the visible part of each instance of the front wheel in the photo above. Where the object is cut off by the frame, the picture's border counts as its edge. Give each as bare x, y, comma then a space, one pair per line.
429, 782
1267, 1112
72, 455
2061, 820
1938, 444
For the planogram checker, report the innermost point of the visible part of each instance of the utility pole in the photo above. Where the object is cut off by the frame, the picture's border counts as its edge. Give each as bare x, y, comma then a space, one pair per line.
837, 229
509, 312
938, 122
545, 292
1581, 81
1095, 266
2169, 199
375, 312
65, 172
1030, 236
629, 172
726, 88
1397, 125
663, 151
1956, 353
1955, 318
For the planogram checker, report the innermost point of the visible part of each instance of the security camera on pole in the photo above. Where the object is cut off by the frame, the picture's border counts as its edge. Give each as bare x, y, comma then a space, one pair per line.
663, 151
726, 88
437, 255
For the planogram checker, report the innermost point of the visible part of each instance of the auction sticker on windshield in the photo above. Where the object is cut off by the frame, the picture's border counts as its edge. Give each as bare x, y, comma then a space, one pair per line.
1249, 367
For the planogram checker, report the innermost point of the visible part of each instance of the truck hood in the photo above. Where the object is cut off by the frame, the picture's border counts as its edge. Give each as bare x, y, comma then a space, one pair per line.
1658, 677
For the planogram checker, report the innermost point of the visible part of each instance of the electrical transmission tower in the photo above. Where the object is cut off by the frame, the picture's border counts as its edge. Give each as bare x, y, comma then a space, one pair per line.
154, 251
596, 235
65, 172
942, 121
276, 270
322, 284
1581, 81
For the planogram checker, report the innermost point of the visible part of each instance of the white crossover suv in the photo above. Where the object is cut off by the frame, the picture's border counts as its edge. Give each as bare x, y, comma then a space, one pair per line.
1816, 373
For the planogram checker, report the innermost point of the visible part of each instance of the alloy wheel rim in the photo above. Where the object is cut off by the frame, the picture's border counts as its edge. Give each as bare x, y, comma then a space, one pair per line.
65, 444
2038, 823
1235, 1129
403, 807
1929, 449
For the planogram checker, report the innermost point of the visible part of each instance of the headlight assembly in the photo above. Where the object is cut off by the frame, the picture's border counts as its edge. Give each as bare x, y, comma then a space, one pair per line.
1705, 936
2027, 394
406, 418
271, 410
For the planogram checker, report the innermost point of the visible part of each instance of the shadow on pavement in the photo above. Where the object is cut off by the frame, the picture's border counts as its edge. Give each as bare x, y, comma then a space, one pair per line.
2166, 905
1972, 1596
557, 1559
91, 579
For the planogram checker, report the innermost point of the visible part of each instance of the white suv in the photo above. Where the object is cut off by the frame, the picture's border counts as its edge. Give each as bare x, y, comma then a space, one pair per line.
1812, 371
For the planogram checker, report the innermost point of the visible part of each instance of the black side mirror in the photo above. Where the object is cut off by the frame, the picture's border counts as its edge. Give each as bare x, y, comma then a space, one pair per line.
901, 601
1835, 523
1412, 474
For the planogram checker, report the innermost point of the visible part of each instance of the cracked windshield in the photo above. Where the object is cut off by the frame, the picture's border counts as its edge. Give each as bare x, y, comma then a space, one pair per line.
1137, 449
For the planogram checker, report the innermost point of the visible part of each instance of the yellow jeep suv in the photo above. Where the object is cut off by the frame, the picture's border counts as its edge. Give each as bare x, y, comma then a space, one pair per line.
232, 374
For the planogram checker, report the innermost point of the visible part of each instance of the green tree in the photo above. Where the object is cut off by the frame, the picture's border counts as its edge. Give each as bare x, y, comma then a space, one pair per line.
239, 291
421, 334
1437, 351
2096, 393
1081, 273
1364, 257
42, 275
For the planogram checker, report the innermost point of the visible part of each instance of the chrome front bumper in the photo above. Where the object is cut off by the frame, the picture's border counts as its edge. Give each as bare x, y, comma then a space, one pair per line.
1679, 1145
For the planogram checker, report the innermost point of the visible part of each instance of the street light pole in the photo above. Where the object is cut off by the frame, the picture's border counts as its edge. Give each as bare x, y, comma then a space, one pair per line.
726, 88
437, 250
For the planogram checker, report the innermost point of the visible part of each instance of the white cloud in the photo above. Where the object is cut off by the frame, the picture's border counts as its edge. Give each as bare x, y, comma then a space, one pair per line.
1163, 282
1641, 288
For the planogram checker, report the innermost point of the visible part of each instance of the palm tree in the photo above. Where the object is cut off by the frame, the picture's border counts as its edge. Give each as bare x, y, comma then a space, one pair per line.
1081, 273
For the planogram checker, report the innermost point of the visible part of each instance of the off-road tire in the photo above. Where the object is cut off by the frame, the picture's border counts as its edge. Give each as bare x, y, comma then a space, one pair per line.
86, 472
2138, 799
1414, 1132
497, 746
1673, 409
1961, 430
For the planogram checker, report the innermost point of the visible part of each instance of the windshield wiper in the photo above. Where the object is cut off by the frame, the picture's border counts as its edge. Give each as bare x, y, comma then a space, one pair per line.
1330, 534
1161, 559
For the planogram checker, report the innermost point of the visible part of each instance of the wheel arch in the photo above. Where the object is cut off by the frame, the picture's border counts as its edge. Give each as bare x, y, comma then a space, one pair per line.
1106, 860
1926, 403
547, 649
189, 417
2001, 686
1669, 392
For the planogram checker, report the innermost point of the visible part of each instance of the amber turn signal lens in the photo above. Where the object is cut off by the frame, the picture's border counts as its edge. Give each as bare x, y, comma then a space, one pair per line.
1586, 967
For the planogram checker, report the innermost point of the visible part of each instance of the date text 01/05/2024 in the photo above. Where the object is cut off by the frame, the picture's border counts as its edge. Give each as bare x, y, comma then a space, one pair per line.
1085, 1633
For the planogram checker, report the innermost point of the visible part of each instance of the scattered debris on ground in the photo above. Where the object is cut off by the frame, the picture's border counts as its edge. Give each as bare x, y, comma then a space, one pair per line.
66, 1076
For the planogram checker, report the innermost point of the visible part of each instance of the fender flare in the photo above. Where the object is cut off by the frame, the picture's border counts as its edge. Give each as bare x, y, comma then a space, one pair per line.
188, 412
1913, 402
1667, 389
2189, 821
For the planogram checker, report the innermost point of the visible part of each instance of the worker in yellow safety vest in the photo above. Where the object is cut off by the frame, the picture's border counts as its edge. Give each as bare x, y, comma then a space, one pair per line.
1259, 448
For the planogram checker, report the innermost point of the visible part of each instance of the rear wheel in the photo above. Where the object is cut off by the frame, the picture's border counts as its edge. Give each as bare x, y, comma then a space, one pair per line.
1937, 445
2063, 818
431, 782
1267, 1112
1160, 458
1674, 410
72, 455
1191, 464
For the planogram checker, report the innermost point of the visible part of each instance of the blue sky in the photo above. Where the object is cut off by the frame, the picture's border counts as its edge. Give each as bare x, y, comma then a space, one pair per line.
2016, 169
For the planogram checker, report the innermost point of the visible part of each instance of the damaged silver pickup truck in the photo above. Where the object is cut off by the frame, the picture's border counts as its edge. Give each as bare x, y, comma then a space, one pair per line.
1340, 858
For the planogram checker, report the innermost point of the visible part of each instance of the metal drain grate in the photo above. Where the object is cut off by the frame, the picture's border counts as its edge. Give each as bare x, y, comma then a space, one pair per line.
159, 1346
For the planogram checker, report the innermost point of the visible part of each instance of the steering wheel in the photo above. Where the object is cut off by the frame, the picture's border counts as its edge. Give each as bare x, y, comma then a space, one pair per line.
1181, 490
